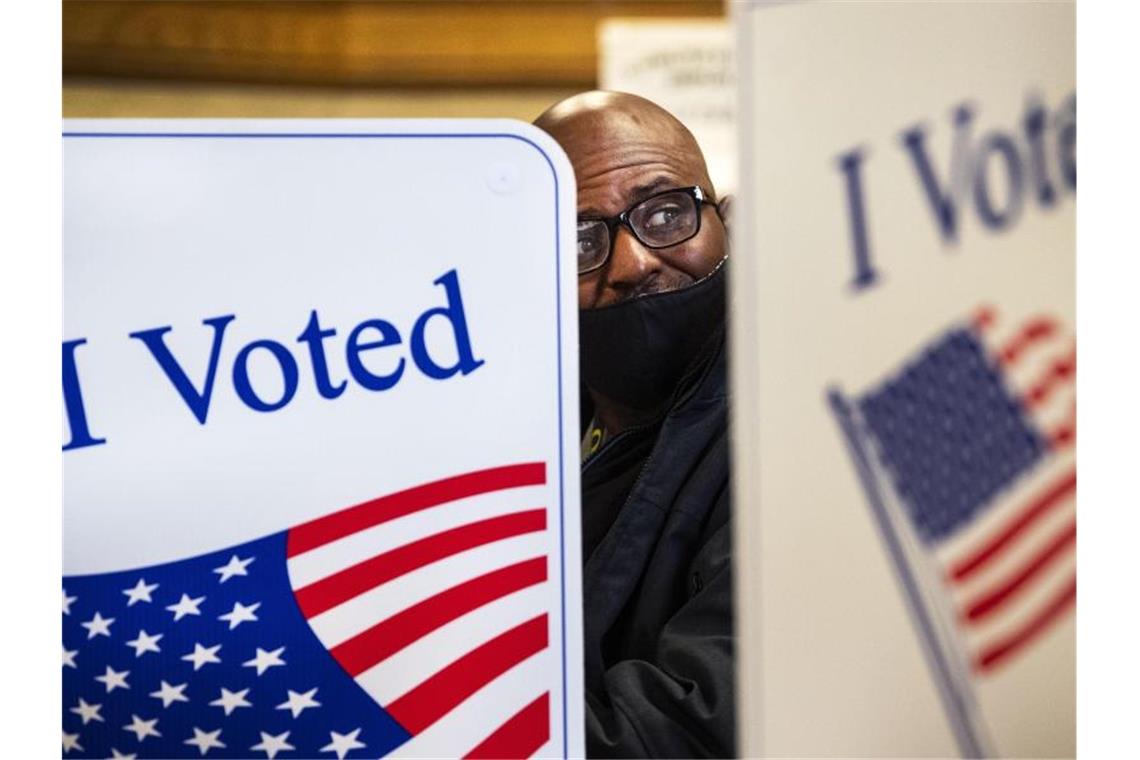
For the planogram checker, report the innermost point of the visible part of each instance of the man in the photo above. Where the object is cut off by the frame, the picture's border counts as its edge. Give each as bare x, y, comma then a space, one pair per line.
652, 244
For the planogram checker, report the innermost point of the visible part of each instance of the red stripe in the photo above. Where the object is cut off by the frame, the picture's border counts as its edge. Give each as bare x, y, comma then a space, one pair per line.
984, 318
987, 603
1044, 501
447, 689
1063, 437
1065, 434
384, 639
1059, 371
364, 576
521, 736
1034, 330
329, 528
993, 656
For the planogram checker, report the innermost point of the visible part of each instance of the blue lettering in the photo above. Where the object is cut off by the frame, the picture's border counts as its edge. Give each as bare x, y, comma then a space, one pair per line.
314, 336
865, 274
1034, 130
389, 336
941, 199
197, 401
369, 335
454, 314
1067, 142
73, 401
995, 218
288, 373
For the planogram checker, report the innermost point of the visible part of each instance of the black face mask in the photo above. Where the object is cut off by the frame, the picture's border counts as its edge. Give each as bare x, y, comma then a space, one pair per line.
635, 352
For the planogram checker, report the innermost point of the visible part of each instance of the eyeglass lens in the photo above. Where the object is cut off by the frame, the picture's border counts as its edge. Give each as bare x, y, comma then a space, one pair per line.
658, 222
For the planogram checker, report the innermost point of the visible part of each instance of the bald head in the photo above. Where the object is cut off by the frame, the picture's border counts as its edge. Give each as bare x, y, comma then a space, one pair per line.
616, 124
625, 149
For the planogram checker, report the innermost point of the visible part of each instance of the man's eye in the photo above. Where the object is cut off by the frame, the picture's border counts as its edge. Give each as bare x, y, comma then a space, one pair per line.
593, 243
587, 246
663, 217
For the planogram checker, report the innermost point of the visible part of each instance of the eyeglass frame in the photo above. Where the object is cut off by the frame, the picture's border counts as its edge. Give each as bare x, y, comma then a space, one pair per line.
622, 220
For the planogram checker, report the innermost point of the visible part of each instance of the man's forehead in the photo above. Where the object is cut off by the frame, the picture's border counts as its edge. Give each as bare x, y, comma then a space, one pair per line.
609, 190
616, 133
622, 146
607, 183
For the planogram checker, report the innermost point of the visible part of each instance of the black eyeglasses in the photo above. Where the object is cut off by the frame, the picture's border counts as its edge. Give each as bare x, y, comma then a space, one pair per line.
662, 220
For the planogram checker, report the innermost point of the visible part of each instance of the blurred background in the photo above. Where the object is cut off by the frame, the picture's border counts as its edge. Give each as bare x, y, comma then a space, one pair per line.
435, 58
399, 59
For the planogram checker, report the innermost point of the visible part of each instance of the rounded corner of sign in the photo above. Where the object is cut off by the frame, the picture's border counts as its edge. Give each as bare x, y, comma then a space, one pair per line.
541, 142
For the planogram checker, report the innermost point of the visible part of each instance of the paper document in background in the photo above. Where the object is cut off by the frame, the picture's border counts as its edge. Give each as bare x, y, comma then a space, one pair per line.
686, 67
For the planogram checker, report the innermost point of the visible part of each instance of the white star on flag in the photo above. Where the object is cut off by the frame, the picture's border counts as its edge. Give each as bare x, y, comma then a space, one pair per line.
342, 744
240, 614
205, 740
67, 600
202, 655
87, 711
140, 593
271, 745
234, 567
231, 700
114, 679
297, 703
186, 606
98, 626
263, 660
142, 728
379, 676
70, 742
116, 754
145, 642
170, 694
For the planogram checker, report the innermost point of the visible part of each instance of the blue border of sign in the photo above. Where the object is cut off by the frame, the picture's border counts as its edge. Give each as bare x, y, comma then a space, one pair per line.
557, 298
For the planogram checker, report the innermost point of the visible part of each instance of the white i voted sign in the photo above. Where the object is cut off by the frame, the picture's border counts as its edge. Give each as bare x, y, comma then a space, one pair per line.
320, 456
905, 379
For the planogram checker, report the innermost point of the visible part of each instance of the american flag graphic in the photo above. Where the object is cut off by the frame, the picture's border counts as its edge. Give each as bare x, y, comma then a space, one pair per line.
416, 624
977, 436
967, 454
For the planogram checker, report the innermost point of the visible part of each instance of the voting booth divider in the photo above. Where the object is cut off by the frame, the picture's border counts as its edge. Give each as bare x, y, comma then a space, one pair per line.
320, 452
904, 361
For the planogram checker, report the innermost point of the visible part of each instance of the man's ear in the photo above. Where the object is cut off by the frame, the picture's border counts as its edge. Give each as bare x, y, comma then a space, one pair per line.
724, 210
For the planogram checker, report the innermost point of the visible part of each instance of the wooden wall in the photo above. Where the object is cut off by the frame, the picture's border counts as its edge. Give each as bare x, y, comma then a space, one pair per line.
427, 43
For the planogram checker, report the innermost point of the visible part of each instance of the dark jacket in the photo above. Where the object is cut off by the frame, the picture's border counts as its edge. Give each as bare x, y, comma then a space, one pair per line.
657, 580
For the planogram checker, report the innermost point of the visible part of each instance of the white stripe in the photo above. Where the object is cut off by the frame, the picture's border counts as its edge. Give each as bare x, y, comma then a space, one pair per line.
1034, 356
328, 559
547, 750
1020, 610
1035, 363
403, 671
461, 730
1020, 550
350, 618
1058, 409
995, 517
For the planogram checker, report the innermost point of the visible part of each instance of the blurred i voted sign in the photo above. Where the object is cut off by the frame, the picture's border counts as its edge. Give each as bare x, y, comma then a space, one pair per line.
320, 395
905, 367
